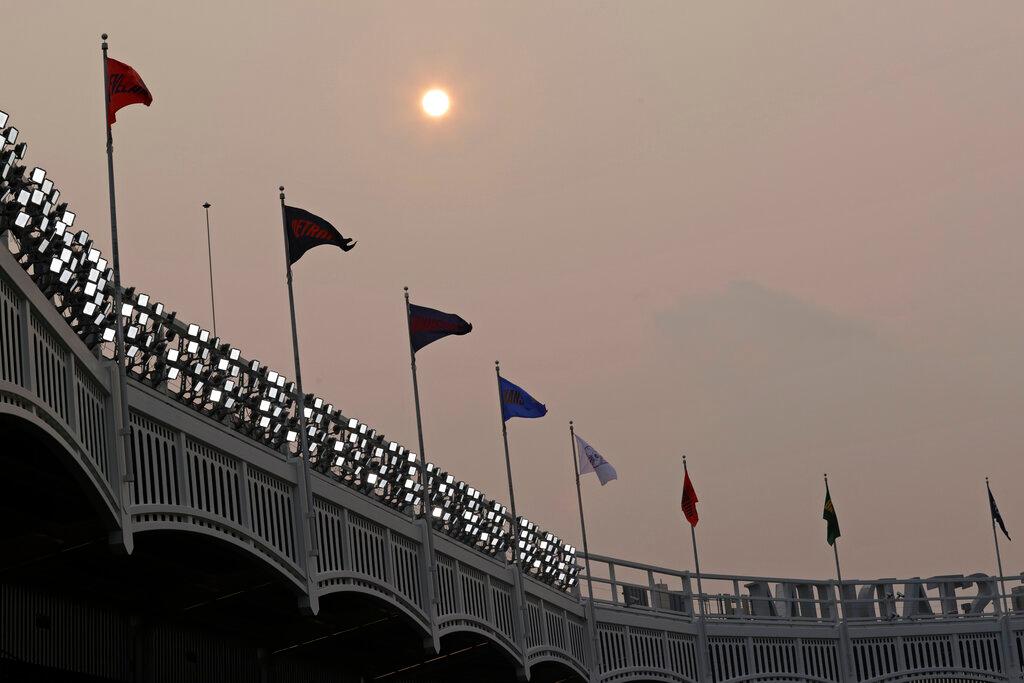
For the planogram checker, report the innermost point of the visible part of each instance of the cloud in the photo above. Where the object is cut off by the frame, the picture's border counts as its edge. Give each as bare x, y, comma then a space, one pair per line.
785, 373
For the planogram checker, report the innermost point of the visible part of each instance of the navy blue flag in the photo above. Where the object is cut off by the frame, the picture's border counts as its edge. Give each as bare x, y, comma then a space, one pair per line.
515, 402
427, 325
305, 230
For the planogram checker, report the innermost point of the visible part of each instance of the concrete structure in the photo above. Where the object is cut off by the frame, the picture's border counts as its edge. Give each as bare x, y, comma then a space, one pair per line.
209, 529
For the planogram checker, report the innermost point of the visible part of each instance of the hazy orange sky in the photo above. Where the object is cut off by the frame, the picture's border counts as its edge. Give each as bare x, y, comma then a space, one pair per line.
783, 238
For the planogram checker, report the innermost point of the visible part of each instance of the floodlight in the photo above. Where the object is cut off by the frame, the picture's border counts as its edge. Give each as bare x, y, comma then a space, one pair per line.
215, 379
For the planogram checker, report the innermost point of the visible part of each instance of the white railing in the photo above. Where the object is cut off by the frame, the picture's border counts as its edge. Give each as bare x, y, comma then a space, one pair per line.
735, 597
212, 377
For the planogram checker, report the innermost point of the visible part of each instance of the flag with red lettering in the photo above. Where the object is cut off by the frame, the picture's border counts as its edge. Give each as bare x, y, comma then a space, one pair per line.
427, 325
305, 230
124, 87
689, 502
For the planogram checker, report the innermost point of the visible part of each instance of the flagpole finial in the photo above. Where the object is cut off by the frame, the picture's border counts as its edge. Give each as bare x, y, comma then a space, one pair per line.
207, 205
104, 36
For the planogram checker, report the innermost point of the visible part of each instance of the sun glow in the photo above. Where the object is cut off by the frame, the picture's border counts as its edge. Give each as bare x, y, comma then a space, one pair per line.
435, 103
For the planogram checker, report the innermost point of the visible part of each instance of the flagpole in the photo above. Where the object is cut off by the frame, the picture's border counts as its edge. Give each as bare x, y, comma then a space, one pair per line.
839, 573
835, 551
209, 253
844, 636
428, 506
515, 519
700, 587
122, 369
696, 558
508, 467
999, 559
586, 548
300, 400
579, 500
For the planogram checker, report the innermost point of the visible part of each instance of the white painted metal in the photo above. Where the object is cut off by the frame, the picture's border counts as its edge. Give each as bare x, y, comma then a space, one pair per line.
198, 475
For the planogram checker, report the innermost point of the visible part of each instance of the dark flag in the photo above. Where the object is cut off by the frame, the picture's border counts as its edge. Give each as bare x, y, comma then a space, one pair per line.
829, 515
995, 512
305, 230
125, 86
689, 502
515, 402
427, 325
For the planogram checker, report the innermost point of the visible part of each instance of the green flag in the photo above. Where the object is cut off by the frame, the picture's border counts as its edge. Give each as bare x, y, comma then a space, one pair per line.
829, 515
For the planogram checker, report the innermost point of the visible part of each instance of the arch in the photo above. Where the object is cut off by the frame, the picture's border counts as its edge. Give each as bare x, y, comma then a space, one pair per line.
554, 662
941, 676
455, 630
420, 621
295, 583
643, 676
68, 457
772, 677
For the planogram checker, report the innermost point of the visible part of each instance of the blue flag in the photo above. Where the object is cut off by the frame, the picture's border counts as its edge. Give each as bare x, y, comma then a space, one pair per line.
515, 402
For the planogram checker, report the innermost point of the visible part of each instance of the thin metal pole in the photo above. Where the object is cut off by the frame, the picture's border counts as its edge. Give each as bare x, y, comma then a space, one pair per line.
579, 500
119, 356
835, 553
428, 505
520, 570
586, 553
702, 626
696, 566
696, 558
835, 544
839, 573
999, 559
841, 621
844, 636
508, 466
300, 399
209, 253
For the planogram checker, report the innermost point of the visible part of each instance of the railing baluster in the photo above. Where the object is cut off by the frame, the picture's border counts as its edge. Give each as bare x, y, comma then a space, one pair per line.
71, 389
28, 354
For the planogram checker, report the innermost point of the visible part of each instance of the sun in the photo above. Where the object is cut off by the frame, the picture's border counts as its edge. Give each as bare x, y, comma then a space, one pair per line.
435, 103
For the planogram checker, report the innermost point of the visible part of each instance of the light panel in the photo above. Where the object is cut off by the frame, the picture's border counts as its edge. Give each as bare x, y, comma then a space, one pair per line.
197, 369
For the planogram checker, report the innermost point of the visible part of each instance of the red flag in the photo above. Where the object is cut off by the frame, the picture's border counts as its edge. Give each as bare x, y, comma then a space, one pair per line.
125, 86
689, 501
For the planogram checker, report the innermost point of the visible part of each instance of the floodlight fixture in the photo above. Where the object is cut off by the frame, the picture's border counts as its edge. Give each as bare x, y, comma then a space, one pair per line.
214, 378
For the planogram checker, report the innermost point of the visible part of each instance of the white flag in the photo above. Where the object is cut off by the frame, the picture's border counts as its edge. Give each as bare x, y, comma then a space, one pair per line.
592, 461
